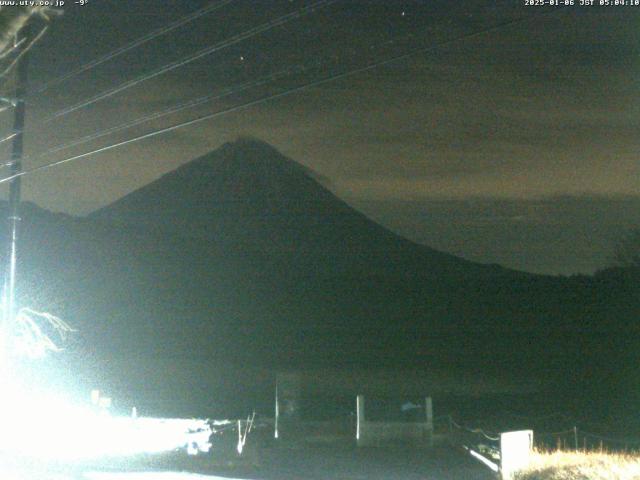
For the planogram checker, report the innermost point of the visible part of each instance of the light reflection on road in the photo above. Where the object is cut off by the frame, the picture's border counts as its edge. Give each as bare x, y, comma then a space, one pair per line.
150, 476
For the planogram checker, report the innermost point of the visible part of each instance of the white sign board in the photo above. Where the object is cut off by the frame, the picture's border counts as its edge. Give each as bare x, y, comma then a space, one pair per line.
515, 451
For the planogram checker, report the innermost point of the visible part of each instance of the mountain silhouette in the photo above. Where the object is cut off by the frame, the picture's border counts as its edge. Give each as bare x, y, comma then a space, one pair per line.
246, 196
242, 257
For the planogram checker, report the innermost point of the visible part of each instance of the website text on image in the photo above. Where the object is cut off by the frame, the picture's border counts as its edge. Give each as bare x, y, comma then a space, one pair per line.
33, 3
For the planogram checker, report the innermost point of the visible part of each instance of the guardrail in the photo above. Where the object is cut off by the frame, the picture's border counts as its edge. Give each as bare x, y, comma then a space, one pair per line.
504, 452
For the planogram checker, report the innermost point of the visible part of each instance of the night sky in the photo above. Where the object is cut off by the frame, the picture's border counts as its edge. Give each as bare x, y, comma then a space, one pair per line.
518, 146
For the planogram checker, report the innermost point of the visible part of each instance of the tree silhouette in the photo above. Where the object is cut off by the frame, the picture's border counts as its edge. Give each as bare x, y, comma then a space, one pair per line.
13, 19
627, 250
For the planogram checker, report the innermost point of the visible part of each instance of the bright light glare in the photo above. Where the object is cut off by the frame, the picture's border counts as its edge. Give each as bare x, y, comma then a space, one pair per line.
40, 424
36, 423
30, 338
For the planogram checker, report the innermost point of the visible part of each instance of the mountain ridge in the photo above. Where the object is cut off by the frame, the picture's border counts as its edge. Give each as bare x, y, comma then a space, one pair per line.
247, 195
294, 282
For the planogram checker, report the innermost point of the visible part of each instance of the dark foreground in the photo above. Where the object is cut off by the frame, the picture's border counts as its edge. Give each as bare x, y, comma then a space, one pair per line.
440, 463
351, 463
313, 463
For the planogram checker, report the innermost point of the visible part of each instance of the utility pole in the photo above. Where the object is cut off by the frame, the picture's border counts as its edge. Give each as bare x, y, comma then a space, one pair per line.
15, 166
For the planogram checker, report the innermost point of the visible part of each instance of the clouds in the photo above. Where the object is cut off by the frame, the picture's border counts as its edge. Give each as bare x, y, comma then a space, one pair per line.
532, 109
538, 109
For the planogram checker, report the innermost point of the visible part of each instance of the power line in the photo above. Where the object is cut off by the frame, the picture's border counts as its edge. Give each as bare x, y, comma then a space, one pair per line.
212, 7
275, 96
180, 107
196, 56
272, 77
269, 78
298, 69
6, 139
176, 108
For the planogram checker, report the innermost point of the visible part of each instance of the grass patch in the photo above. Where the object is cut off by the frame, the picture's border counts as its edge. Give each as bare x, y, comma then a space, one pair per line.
561, 465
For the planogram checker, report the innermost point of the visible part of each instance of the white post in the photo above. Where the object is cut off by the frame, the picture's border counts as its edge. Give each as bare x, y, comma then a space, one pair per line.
515, 452
428, 408
360, 418
277, 414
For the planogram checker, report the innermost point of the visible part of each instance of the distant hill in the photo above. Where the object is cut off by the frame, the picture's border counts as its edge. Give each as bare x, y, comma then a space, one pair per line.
241, 257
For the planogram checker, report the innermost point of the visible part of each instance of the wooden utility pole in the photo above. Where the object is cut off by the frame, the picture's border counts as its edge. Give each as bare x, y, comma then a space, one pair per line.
15, 166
